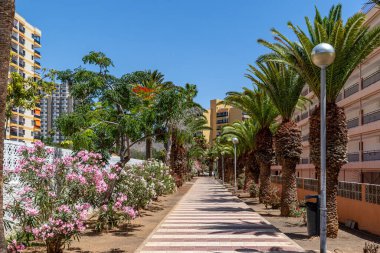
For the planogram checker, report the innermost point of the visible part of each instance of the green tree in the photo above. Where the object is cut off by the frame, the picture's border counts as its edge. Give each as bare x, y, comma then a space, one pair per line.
246, 132
26, 92
353, 41
259, 107
283, 85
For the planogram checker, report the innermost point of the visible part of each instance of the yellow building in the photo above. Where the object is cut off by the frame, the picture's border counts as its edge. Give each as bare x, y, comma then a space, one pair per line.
25, 125
219, 115
360, 99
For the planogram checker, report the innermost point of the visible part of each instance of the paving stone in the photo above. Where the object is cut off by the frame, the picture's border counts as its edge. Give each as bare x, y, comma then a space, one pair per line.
211, 219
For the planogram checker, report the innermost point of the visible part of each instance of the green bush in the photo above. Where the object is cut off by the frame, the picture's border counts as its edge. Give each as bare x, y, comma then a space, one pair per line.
273, 198
254, 190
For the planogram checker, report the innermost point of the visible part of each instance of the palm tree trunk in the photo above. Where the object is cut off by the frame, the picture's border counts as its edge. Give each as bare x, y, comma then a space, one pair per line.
336, 157
210, 167
288, 151
168, 147
148, 148
264, 156
7, 13
253, 167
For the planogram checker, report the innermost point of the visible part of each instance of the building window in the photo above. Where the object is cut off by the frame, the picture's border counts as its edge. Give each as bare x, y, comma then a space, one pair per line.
221, 114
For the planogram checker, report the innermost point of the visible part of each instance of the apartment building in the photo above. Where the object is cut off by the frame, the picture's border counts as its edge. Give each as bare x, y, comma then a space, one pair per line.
360, 99
25, 124
58, 103
218, 116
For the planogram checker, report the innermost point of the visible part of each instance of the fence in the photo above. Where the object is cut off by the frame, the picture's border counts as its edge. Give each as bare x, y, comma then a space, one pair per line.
356, 201
11, 156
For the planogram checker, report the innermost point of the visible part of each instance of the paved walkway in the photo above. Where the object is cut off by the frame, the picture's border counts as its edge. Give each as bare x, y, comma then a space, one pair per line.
211, 219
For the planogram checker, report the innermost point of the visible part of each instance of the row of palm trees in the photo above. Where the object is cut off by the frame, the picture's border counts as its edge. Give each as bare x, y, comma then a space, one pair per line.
278, 78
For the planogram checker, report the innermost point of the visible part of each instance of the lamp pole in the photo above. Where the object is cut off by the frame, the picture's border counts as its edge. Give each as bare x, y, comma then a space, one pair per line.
323, 55
223, 168
235, 141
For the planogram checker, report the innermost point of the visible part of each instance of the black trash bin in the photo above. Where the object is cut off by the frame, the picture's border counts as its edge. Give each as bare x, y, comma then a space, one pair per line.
312, 215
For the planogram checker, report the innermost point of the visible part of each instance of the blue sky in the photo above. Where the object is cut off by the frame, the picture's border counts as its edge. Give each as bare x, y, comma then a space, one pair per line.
204, 42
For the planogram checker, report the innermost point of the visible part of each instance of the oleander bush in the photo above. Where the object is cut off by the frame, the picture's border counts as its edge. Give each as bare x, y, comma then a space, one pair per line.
53, 199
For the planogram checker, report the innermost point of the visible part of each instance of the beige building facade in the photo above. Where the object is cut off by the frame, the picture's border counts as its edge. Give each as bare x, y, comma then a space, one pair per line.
25, 125
360, 99
220, 115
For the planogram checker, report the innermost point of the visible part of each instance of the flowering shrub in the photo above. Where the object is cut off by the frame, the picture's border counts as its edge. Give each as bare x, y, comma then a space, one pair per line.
54, 199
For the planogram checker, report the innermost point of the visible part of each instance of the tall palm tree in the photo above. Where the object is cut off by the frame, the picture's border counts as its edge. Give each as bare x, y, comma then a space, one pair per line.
353, 41
260, 108
283, 85
187, 120
246, 132
7, 13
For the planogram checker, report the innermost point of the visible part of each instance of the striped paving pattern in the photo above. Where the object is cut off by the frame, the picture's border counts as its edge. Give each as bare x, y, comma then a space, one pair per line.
211, 219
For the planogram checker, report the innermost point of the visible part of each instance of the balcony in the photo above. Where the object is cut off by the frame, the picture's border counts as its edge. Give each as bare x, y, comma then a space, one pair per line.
221, 114
353, 157
14, 37
14, 50
37, 63
222, 121
353, 123
21, 64
372, 155
22, 52
368, 81
14, 61
351, 90
305, 137
21, 28
21, 40
37, 53
371, 117
37, 39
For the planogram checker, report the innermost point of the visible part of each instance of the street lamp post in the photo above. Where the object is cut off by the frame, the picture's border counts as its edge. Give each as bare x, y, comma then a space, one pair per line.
223, 167
235, 141
323, 55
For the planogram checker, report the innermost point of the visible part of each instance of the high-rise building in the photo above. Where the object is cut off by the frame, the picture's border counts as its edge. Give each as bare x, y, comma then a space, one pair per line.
218, 116
360, 99
60, 102
25, 124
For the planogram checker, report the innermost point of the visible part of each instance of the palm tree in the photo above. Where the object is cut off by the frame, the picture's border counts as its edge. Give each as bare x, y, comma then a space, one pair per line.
259, 107
187, 120
353, 42
246, 132
283, 86
7, 13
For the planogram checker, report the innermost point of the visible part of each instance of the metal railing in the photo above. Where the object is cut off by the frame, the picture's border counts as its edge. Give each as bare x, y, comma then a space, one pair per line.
372, 155
353, 123
351, 90
349, 190
304, 161
353, 157
369, 80
371, 117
